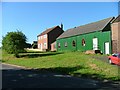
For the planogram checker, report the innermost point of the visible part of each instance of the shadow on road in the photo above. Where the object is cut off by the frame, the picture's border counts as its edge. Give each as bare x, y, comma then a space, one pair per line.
46, 78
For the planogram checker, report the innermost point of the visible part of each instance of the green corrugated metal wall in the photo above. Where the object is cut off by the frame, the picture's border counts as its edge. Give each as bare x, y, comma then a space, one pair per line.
102, 38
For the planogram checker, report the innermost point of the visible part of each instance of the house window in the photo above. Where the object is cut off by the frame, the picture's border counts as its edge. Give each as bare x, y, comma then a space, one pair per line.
39, 45
38, 37
45, 44
45, 36
65, 44
58, 45
73, 43
83, 42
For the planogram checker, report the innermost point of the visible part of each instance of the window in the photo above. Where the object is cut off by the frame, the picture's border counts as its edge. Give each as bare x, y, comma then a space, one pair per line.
73, 43
119, 56
38, 37
58, 45
39, 45
115, 55
45, 44
45, 36
83, 42
65, 44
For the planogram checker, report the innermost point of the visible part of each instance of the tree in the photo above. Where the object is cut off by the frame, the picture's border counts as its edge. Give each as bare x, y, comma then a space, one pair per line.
34, 45
28, 45
14, 42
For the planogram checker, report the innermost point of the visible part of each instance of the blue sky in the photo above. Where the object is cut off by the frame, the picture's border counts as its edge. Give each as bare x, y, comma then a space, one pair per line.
34, 17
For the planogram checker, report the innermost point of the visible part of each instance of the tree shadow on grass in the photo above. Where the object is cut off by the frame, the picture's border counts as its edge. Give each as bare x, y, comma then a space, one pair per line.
72, 71
105, 83
63, 70
35, 55
34, 52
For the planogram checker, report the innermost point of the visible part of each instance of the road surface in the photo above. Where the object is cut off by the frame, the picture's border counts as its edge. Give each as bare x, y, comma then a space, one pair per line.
17, 77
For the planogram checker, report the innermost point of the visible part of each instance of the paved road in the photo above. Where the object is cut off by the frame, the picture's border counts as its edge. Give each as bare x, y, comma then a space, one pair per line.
14, 77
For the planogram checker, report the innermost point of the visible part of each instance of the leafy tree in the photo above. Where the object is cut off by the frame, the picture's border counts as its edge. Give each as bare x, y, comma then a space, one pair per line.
34, 45
14, 42
28, 45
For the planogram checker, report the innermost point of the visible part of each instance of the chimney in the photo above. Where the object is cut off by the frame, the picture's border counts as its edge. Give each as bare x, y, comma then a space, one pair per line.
61, 26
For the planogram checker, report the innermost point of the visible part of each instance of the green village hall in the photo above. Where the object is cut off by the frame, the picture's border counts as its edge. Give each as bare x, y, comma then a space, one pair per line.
93, 36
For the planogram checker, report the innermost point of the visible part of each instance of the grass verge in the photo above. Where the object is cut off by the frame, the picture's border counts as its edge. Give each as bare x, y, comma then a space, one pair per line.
73, 63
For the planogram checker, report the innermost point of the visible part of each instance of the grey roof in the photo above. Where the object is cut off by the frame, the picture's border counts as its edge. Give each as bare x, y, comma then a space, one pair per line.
92, 27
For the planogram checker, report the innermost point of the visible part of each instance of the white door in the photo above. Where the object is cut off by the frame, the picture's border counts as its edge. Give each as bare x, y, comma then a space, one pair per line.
107, 51
95, 43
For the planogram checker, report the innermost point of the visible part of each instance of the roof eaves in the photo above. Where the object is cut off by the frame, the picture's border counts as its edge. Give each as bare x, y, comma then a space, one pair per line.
112, 18
115, 19
48, 31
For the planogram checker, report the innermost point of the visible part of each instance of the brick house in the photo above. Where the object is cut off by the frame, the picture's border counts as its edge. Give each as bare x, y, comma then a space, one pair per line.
53, 46
46, 38
116, 35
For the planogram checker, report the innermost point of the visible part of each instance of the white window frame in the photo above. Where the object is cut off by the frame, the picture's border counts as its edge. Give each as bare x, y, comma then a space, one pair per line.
83, 43
39, 46
59, 45
65, 44
45, 45
45, 36
38, 37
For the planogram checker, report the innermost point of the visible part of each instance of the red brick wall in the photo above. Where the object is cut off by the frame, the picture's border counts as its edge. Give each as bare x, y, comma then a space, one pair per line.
53, 35
119, 37
115, 37
53, 46
41, 41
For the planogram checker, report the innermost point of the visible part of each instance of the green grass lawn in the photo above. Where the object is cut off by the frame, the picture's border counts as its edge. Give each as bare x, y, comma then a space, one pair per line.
73, 63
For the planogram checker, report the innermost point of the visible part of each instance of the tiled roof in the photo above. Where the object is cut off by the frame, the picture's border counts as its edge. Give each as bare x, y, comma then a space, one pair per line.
48, 30
92, 27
